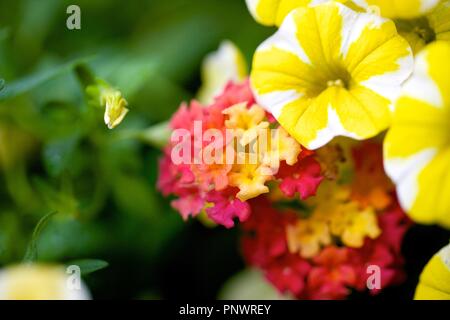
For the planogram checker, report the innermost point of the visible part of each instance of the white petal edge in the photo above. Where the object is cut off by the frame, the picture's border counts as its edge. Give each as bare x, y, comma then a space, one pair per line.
444, 254
405, 173
333, 129
421, 86
388, 85
286, 39
425, 5
354, 24
67, 293
275, 101
252, 6
428, 5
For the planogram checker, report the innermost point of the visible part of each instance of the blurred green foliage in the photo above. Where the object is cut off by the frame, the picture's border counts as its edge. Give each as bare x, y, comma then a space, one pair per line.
56, 154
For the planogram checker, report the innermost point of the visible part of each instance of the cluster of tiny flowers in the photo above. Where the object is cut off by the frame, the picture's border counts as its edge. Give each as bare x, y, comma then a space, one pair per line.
325, 248
315, 224
222, 189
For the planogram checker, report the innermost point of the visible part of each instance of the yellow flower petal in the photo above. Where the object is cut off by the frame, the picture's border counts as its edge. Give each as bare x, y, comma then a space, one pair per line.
38, 282
417, 148
307, 237
404, 9
278, 147
250, 179
359, 225
115, 110
337, 77
247, 122
434, 283
273, 12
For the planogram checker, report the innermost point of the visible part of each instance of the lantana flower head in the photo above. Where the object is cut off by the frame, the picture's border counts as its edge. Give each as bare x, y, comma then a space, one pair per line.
253, 155
330, 71
328, 242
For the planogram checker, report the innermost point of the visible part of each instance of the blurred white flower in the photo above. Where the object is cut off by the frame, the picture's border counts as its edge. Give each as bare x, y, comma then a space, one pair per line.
219, 67
41, 282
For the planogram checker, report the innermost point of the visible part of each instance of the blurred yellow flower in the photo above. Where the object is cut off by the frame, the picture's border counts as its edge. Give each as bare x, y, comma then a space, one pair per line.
38, 282
308, 236
102, 95
273, 12
247, 122
250, 179
280, 147
417, 147
353, 224
403, 9
334, 218
434, 283
330, 71
218, 68
115, 107
428, 28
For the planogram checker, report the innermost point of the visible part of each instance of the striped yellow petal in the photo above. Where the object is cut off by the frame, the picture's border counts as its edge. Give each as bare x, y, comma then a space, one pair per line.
330, 71
417, 147
402, 9
434, 283
273, 12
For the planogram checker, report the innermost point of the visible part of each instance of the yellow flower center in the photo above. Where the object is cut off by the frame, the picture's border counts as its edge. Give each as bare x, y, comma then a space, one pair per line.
336, 83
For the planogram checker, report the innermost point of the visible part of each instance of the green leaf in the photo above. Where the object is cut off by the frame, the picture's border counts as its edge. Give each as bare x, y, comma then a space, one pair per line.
31, 253
28, 83
88, 266
59, 199
2, 84
134, 195
157, 135
58, 154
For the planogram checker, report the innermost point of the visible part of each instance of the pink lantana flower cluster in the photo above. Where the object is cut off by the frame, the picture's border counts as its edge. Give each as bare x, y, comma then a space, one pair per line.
318, 224
301, 253
222, 189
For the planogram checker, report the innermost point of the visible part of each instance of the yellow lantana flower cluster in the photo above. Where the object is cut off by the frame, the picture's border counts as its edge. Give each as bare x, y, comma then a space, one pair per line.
249, 174
335, 218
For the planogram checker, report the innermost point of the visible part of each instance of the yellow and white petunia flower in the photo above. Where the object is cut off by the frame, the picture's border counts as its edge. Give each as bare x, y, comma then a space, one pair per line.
434, 283
439, 20
417, 147
428, 28
399, 9
273, 12
39, 282
330, 71
225, 64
